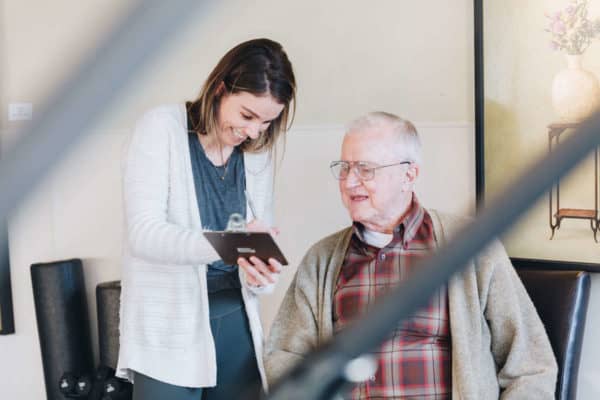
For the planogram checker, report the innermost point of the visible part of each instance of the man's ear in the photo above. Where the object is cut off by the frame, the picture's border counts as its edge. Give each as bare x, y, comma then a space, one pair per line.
411, 174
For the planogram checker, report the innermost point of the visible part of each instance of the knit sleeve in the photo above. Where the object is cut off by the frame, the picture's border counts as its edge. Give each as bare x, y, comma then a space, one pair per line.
294, 332
146, 185
521, 349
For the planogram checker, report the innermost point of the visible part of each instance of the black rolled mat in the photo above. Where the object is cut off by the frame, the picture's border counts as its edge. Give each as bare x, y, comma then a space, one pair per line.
108, 296
63, 322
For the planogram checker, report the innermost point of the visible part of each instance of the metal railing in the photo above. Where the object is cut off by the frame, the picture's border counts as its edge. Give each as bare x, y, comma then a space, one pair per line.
97, 82
73, 109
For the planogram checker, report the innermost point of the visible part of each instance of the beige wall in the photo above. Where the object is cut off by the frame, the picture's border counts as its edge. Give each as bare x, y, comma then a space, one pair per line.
349, 56
411, 58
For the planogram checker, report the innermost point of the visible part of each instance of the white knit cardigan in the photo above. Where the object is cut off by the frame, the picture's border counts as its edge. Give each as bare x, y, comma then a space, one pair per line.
164, 318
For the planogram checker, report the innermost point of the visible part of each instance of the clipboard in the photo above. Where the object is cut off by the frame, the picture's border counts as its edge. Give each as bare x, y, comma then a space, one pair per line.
231, 245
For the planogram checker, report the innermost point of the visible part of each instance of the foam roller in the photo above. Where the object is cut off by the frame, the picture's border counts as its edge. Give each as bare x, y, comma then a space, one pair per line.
62, 320
107, 301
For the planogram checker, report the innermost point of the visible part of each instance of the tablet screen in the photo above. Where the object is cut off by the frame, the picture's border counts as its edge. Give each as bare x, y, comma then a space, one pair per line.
232, 245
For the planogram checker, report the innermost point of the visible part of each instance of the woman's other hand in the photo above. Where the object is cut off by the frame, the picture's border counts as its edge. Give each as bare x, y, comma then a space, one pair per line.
258, 226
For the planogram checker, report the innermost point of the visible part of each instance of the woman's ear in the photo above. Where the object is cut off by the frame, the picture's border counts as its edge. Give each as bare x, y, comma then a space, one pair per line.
221, 89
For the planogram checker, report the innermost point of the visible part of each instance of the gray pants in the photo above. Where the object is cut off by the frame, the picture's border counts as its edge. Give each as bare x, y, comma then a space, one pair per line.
237, 371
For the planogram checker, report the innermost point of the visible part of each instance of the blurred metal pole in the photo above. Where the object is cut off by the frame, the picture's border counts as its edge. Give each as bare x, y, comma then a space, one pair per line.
321, 373
99, 80
77, 104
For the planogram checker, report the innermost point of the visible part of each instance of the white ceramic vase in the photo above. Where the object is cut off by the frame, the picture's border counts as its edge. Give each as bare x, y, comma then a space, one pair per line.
575, 91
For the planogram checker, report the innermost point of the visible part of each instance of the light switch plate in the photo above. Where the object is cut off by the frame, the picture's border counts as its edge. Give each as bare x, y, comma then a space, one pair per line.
20, 111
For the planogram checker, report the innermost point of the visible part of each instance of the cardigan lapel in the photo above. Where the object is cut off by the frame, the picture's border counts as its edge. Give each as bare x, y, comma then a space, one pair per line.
463, 304
182, 141
250, 184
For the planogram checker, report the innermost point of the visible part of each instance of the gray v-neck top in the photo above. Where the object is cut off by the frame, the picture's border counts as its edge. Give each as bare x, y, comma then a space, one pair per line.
220, 193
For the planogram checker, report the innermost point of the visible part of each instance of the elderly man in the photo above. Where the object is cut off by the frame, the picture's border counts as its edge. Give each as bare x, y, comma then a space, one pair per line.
479, 337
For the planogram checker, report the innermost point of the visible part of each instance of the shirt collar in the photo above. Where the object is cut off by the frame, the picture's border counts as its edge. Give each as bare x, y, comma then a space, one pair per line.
407, 227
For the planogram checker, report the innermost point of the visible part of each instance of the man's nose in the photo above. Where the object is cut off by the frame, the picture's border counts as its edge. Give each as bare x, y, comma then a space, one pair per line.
352, 178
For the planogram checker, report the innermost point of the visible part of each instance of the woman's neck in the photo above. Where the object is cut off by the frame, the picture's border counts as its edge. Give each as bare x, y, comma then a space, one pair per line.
217, 153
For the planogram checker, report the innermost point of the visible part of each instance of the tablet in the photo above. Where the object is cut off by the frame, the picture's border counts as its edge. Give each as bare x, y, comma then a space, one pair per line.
232, 245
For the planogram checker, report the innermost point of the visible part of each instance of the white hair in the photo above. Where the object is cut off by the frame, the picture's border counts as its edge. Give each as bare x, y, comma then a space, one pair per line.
404, 130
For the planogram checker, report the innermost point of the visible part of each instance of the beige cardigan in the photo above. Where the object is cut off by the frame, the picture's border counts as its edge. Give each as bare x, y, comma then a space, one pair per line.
164, 326
499, 346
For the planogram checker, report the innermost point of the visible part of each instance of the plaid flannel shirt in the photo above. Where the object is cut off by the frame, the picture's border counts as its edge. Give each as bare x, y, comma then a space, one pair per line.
415, 362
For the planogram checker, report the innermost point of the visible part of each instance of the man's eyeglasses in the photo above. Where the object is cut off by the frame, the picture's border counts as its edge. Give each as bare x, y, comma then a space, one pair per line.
363, 169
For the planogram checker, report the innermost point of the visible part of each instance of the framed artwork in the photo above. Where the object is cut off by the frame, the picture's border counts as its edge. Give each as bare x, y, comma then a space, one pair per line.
6, 307
537, 65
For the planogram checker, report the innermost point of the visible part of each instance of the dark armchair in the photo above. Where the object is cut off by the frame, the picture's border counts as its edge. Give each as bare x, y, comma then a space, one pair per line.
561, 299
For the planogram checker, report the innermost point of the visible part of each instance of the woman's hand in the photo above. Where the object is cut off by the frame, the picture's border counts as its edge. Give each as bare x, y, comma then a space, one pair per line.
258, 226
259, 273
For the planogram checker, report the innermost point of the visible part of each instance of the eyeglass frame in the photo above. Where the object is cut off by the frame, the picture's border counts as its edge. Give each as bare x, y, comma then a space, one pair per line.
352, 165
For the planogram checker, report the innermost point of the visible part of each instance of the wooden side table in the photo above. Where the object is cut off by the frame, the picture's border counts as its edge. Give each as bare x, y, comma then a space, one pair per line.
557, 214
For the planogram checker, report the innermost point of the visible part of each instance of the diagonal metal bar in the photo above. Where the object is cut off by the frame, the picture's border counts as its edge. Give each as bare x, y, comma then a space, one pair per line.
98, 81
320, 374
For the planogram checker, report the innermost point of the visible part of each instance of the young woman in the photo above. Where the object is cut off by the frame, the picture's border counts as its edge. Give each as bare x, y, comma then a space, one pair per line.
190, 327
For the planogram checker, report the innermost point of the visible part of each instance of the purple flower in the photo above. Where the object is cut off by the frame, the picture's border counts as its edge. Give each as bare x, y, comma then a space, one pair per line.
558, 28
571, 29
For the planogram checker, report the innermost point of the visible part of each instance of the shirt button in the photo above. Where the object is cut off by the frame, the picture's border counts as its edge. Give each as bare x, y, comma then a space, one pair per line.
382, 256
